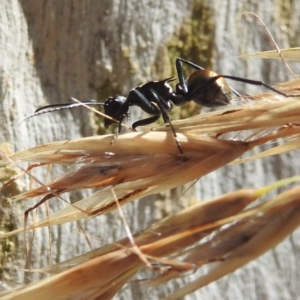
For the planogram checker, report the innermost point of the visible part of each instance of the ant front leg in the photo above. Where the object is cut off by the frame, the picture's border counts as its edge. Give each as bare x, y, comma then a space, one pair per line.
116, 108
144, 122
137, 98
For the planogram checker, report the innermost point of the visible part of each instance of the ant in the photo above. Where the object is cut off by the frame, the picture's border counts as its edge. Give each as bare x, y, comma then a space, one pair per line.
203, 86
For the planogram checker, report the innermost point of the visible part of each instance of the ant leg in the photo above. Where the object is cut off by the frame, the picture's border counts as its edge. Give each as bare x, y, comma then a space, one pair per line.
145, 122
180, 73
119, 128
204, 87
235, 91
138, 99
167, 119
179, 62
117, 132
182, 85
208, 84
189, 63
255, 82
245, 80
120, 125
118, 110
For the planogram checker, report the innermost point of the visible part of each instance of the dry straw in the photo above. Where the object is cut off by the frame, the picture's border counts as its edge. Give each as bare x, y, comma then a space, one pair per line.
140, 164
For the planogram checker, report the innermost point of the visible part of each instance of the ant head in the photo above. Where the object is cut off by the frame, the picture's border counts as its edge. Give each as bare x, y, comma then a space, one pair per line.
116, 108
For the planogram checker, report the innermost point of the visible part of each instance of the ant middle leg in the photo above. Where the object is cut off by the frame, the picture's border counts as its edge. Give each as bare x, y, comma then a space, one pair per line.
147, 104
166, 119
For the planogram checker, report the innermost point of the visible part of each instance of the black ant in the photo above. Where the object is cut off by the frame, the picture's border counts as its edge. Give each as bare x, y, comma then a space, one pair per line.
203, 86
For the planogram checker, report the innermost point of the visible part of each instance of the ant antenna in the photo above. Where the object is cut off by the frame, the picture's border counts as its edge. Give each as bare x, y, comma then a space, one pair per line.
57, 107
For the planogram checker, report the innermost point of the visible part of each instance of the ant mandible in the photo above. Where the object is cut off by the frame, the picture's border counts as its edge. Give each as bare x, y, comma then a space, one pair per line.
203, 86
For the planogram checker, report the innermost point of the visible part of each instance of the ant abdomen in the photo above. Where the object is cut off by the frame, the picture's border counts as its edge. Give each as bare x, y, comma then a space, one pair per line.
206, 91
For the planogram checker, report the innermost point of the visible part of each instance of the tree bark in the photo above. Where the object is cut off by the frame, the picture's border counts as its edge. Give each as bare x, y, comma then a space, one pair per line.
52, 50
